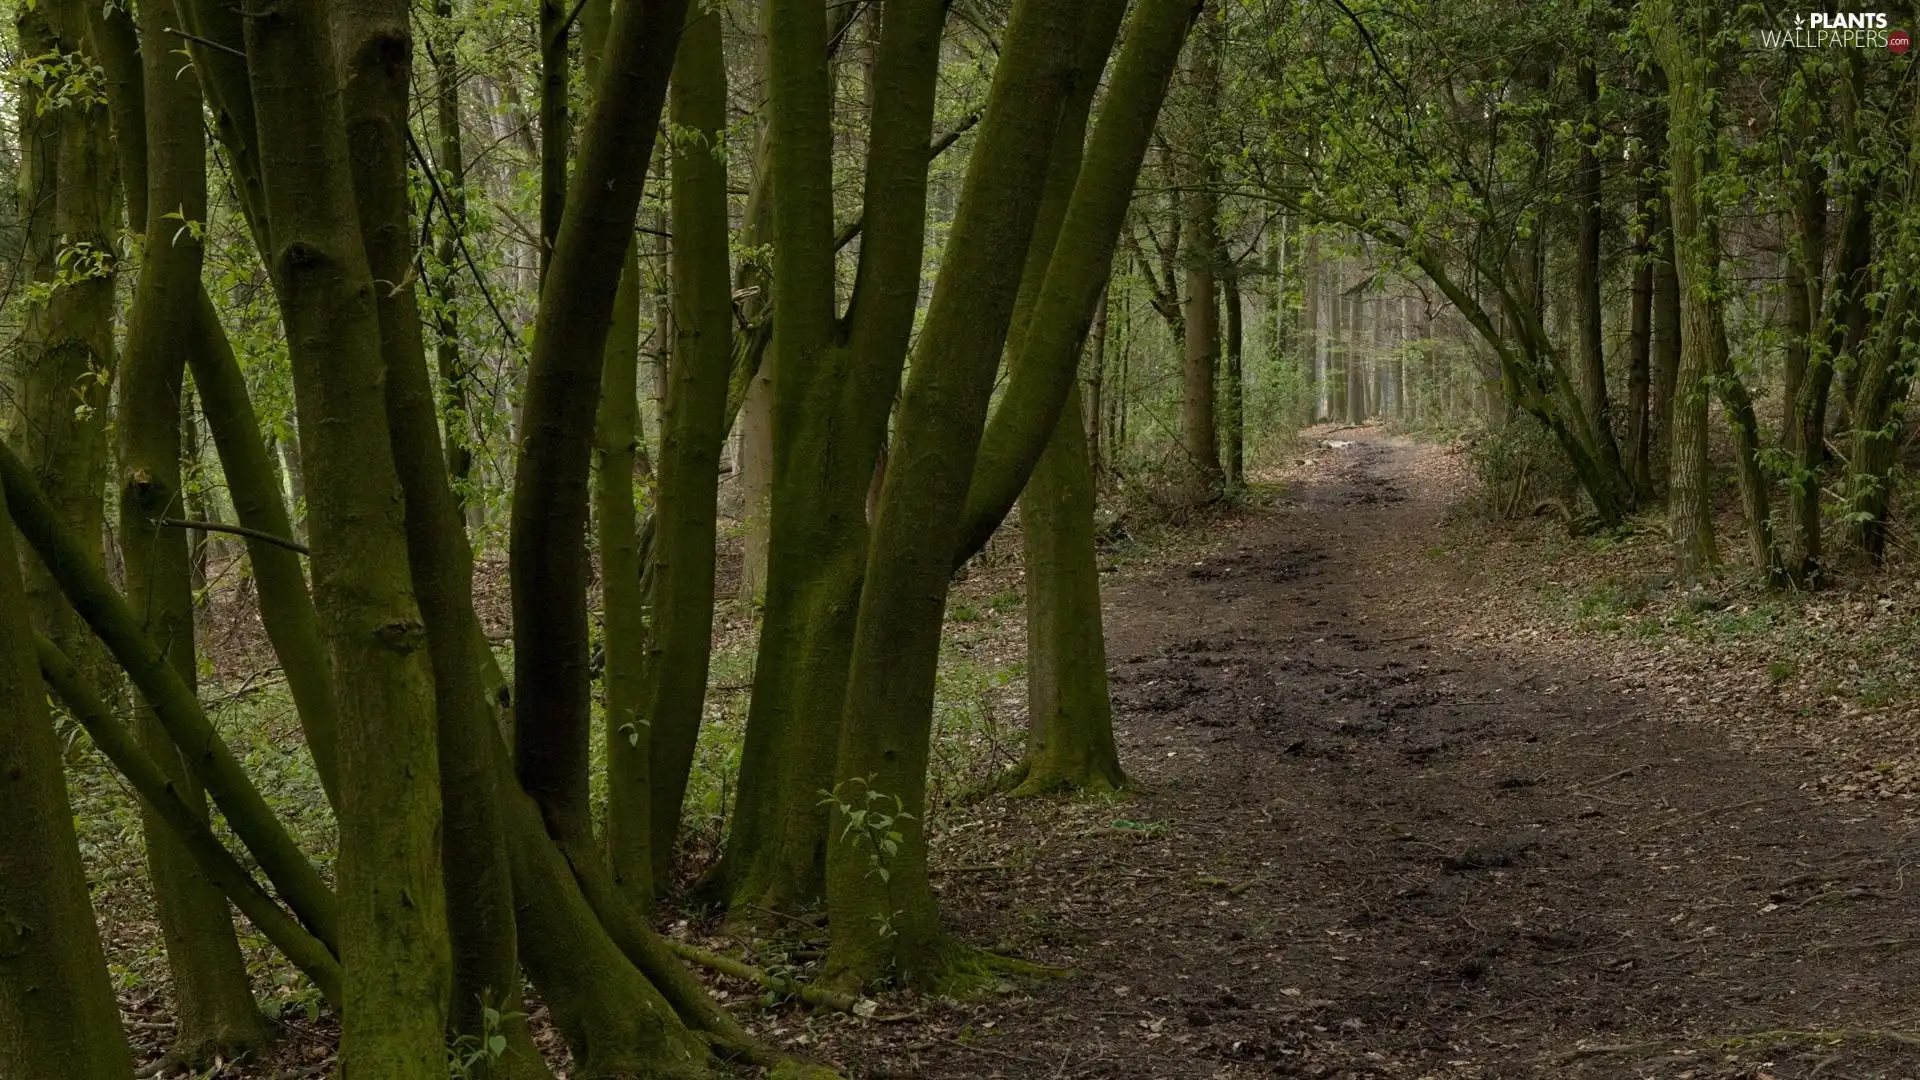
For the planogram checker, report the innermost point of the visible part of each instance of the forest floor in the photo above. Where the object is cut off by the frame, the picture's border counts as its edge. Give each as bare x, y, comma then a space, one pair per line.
1393, 821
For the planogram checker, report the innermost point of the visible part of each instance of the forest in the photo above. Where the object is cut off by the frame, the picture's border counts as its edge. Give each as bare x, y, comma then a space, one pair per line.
598, 539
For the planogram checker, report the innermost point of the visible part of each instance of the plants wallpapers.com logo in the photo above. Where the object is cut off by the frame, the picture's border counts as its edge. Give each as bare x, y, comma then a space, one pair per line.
1841, 30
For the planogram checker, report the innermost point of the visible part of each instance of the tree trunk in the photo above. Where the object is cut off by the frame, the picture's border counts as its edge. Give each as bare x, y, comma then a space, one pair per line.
1045, 364
456, 370
831, 393
86, 587
624, 633
1316, 382
1640, 428
474, 872
1704, 357
889, 922
1337, 360
1587, 271
693, 429
548, 556
393, 917
1233, 416
1666, 338
212, 998
1069, 711
253, 479
58, 1018
65, 358
1096, 390
1200, 350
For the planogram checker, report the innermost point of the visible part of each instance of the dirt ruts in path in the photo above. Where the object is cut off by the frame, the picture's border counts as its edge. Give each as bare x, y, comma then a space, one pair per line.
1363, 851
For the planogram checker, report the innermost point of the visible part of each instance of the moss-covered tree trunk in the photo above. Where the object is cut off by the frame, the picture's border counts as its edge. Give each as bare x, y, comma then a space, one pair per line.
64, 360
374, 46
393, 919
1069, 710
211, 996
832, 384
548, 553
1704, 360
165, 800
887, 922
58, 1018
1041, 371
1200, 254
253, 481
1886, 371
624, 630
85, 586
1589, 227
618, 456
693, 428
1640, 427
1069, 713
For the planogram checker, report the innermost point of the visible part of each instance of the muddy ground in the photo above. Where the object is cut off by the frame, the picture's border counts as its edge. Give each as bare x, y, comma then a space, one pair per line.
1366, 847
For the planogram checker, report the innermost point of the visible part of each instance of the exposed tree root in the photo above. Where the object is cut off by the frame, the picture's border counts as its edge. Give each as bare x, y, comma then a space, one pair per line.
740, 969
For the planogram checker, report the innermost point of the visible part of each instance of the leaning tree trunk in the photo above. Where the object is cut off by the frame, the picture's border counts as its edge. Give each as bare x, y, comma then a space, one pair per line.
548, 554
217, 1017
58, 1018
1043, 368
393, 918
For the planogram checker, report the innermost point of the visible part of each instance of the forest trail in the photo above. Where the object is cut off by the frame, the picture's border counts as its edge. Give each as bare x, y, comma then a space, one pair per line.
1363, 849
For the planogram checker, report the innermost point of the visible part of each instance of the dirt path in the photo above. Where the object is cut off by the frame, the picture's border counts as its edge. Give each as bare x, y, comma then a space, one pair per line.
1364, 850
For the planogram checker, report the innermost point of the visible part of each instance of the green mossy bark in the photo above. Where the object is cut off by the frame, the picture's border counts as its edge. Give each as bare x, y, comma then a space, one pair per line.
1069, 713
58, 1018
888, 923
624, 632
1069, 710
832, 387
1201, 254
548, 556
614, 1020
217, 1017
69, 213
1042, 370
693, 428
373, 44
253, 482
393, 919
